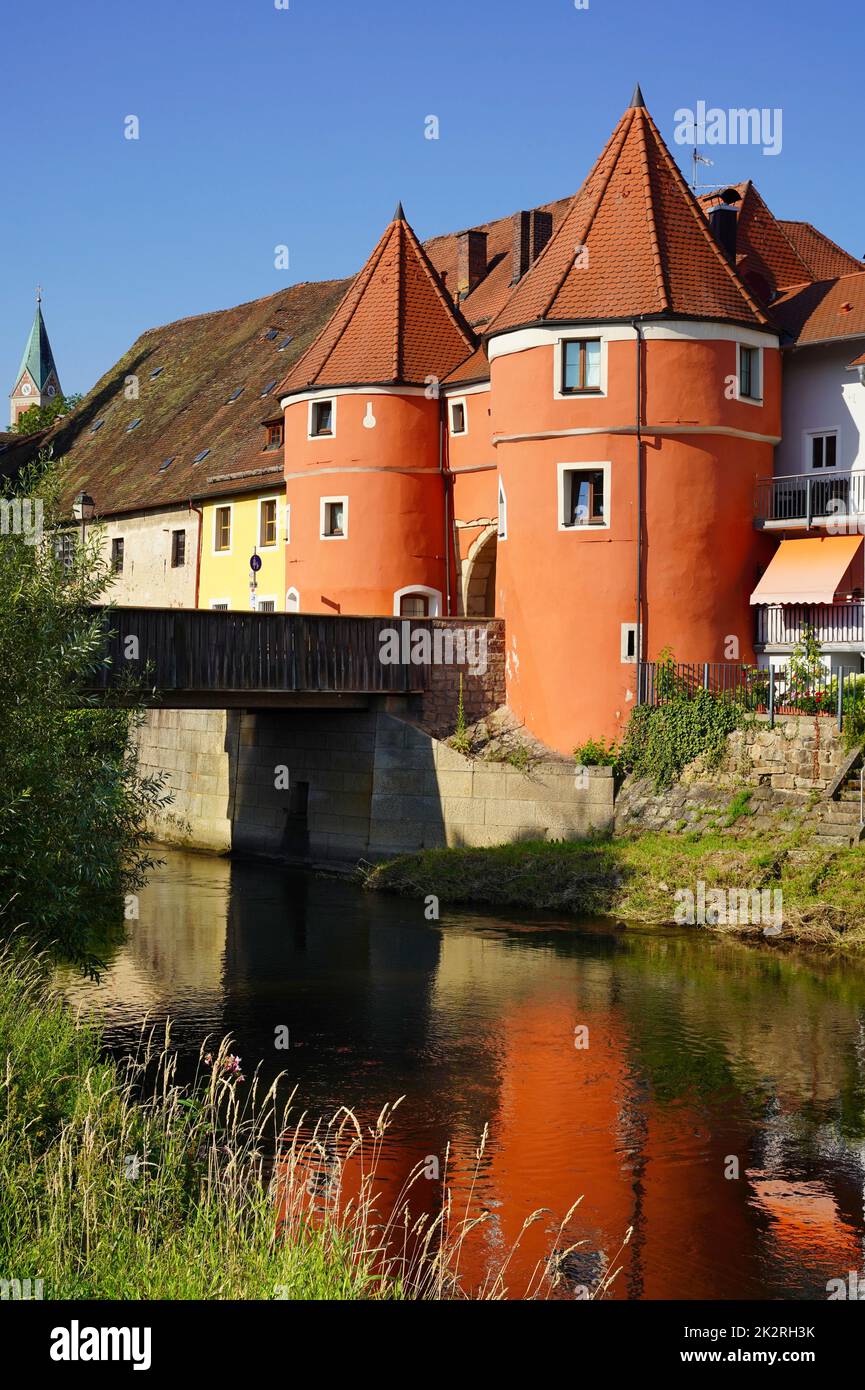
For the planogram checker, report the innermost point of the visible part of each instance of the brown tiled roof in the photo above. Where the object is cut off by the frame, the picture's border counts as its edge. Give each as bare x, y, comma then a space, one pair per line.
474, 368
649, 248
395, 324
766, 258
857, 361
823, 311
824, 258
186, 373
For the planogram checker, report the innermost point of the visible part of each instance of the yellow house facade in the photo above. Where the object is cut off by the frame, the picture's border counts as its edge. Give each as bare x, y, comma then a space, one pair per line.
234, 528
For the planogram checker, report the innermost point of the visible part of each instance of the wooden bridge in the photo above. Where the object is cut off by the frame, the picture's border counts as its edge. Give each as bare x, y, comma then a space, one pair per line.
200, 659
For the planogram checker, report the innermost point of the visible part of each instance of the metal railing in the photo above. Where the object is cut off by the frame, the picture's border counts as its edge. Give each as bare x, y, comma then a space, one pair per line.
809, 498
782, 624
757, 690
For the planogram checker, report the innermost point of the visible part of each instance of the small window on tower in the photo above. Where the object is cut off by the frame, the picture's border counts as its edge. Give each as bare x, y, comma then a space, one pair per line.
750, 386
581, 366
583, 499
458, 417
321, 418
334, 518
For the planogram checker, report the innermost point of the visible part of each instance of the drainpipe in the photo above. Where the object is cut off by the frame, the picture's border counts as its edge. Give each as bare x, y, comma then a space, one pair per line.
446, 482
639, 414
200, 514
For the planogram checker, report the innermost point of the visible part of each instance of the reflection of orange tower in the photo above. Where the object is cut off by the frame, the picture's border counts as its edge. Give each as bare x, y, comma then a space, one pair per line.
627, 449
363, 441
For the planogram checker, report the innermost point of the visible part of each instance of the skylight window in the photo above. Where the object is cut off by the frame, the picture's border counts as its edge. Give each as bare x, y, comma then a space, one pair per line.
234, 395
285, 342
155, 373
199, 458
166, 463
271, 334
96, 426
133, 426
269, 387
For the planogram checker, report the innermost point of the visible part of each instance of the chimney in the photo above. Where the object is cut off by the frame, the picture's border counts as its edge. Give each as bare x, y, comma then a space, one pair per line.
722, 220
521, 255
471, 261
542, 230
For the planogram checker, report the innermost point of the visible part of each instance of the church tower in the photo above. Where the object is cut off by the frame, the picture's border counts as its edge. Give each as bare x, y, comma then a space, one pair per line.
37, 381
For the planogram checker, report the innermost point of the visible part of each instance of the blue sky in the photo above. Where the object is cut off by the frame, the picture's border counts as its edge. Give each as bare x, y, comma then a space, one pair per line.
262, 126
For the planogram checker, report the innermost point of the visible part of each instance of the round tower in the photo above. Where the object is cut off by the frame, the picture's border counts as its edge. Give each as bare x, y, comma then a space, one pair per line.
635, 388
363, 442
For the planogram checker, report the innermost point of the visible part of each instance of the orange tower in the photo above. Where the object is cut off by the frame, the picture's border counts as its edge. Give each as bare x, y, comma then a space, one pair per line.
364, 454
635, 399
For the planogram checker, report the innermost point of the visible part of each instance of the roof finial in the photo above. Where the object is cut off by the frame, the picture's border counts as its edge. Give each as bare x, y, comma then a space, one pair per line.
637, 99
38, 294
399, 215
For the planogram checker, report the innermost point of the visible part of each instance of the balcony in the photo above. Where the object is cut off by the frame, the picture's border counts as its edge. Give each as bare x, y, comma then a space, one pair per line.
802, 500
837, 626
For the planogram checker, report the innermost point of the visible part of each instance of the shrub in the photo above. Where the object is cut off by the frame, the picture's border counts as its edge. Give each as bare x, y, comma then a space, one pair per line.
660, 741
596, 752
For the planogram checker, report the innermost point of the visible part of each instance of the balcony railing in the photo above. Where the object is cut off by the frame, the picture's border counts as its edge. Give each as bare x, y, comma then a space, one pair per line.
782, 624
806, 499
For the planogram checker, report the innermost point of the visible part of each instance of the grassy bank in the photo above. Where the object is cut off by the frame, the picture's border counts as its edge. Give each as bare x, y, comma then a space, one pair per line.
106, 1195
636, 879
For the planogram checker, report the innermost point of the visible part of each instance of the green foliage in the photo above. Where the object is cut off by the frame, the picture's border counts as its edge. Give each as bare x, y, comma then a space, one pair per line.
39, 417
739, 806
596, 752
660, 741
72, 805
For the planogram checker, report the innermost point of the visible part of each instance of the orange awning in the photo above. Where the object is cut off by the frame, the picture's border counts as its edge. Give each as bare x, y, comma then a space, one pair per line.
807, 571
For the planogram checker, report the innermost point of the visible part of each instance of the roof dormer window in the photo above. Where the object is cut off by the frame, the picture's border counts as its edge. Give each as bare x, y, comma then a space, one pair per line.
275, 436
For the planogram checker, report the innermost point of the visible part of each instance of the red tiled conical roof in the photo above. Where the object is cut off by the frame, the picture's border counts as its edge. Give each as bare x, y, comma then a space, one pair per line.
647, 249
396, 324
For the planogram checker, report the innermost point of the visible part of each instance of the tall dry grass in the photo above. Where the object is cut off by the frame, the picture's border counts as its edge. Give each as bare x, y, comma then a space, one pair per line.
120, 1183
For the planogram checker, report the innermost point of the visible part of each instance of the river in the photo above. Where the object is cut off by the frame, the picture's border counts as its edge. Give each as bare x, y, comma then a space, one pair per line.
707, 1094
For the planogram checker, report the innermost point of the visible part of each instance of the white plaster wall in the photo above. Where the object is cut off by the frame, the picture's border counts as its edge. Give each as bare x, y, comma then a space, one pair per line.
820, 393
148, 579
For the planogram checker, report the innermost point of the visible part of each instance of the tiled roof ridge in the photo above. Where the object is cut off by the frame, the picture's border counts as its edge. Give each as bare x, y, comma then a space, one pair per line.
355, 293
803, 222
439, 290
701, 222
621, 130
657, 259
233, 308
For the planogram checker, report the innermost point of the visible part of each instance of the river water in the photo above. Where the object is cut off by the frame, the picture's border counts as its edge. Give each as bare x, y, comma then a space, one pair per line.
707, 1094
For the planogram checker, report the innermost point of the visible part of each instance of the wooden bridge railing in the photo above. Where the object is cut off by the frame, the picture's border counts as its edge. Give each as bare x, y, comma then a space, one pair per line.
173, 649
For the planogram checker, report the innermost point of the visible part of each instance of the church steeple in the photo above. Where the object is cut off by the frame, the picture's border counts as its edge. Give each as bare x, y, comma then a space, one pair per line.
37, 381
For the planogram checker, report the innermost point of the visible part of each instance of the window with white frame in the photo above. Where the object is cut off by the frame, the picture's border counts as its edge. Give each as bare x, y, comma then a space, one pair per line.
822, 447
459, 417
267, 522
629, 643
292, 601
265, 605
584, 495
750, 373
219, 605
503, 513
334, 518
417, 601
222, 530
580, 366
322, 419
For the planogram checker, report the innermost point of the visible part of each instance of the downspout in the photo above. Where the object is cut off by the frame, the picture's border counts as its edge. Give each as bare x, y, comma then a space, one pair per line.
200, 514
446, 481
639, 586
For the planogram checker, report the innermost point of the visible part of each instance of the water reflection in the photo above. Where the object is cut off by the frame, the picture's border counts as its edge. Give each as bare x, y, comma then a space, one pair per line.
719, 1107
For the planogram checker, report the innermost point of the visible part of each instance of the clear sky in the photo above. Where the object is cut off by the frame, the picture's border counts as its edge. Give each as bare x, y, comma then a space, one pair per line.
303, 126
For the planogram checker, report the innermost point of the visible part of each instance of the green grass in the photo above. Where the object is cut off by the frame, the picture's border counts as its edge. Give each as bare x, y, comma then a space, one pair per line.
108, 1195
636, 878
